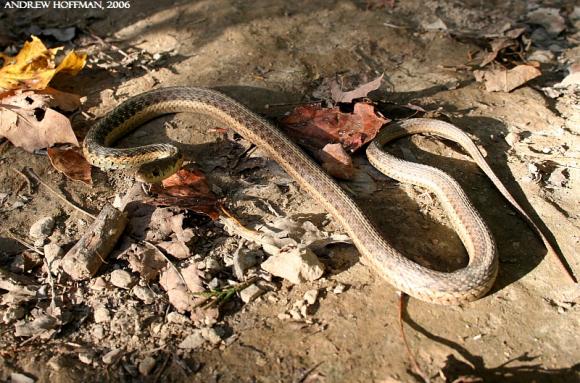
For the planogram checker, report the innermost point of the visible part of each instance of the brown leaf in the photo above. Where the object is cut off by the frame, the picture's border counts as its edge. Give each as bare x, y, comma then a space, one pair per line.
63, 100
314, 126
336, 161
187, 189
497, 45
180, 285
71, 163
363, 90
28, 123
145, 260
502, 80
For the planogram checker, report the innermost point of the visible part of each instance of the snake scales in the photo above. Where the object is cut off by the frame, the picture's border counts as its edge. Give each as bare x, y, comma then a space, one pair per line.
159, 161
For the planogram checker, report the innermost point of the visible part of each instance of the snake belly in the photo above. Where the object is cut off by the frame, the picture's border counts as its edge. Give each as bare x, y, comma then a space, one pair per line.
463, 285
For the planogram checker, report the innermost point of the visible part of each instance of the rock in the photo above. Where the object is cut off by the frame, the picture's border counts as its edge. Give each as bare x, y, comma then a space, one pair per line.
512, 138
147, 365
192, 341
13, 313
122, 279
211, 335
298, 265
42, 228
52, 251
98, 332
549, 18
175, 317
101, 314
113, 356
310, 296
144, 294
542, 56
339, 288
243, 260
86, 357
250, 293
212, 265
16, 377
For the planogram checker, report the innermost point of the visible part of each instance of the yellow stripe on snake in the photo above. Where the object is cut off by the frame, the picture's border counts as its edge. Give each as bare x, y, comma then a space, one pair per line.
155, 162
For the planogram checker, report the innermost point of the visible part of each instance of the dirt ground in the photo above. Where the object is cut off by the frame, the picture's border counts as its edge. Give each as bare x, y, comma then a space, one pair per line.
272, 55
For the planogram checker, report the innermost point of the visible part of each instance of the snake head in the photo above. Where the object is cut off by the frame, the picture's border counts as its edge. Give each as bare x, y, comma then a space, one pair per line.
158, 170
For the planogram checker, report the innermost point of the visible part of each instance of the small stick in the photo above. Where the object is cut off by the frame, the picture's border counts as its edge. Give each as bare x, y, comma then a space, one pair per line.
40, 181
24, 243
25, 179
407, 347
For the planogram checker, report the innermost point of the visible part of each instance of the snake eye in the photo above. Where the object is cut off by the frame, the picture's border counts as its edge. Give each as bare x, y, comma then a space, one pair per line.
156, 173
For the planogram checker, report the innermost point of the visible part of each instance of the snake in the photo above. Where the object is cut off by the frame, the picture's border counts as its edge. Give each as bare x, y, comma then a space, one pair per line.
157, 161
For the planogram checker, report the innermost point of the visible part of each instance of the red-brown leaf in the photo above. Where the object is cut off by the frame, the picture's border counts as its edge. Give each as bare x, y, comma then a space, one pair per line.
71, 163
187, 189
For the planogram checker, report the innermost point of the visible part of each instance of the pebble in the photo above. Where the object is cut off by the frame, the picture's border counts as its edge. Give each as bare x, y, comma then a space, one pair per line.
16, 377
211, 335
250, 293
212, 265
42, 228
98, 332
512, 138
147, 365
310, 296
86, 358
121, 279
297, 265
192, 341
13, 313
175, 317
242, 261
339, 288
145, 294
102, 314
112, 356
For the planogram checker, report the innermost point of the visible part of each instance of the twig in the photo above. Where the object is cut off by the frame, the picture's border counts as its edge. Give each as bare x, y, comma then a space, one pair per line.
40, 181
218, 296
25, 179
23, 243
414, 363
308, 372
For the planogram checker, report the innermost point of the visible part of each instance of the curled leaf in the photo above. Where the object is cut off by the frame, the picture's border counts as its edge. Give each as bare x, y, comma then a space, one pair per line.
71, 163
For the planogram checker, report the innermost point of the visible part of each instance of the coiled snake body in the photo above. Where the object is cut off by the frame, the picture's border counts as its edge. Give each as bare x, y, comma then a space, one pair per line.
156, 162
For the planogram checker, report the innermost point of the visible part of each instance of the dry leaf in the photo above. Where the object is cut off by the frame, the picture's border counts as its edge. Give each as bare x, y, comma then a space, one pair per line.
497, 45
502, 80
71, 163
180, 285
34, 66
336, 161
28, 123
63, 100
187, 189
362, 91
145, 260
314, 126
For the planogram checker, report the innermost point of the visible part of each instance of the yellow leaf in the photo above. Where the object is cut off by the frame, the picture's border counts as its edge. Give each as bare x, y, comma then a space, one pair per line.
34, 66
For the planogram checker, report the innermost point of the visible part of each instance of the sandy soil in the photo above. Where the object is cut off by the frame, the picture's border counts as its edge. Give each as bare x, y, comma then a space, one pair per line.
271, 55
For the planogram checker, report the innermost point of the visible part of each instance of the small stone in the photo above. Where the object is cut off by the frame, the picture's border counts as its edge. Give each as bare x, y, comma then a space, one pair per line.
212, 265
284, 316
52, 251
211, 335
192, 341
86, 358
175, 317
98, 332
147, 365
546, 150
512, 138
144, 294
298, 265
295, 314
42, 228
16, 377
339, 288
98, 284
112, 356
13, 313
102, 314
310, 296
122, 279
214, 283
250, 293
242, 261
